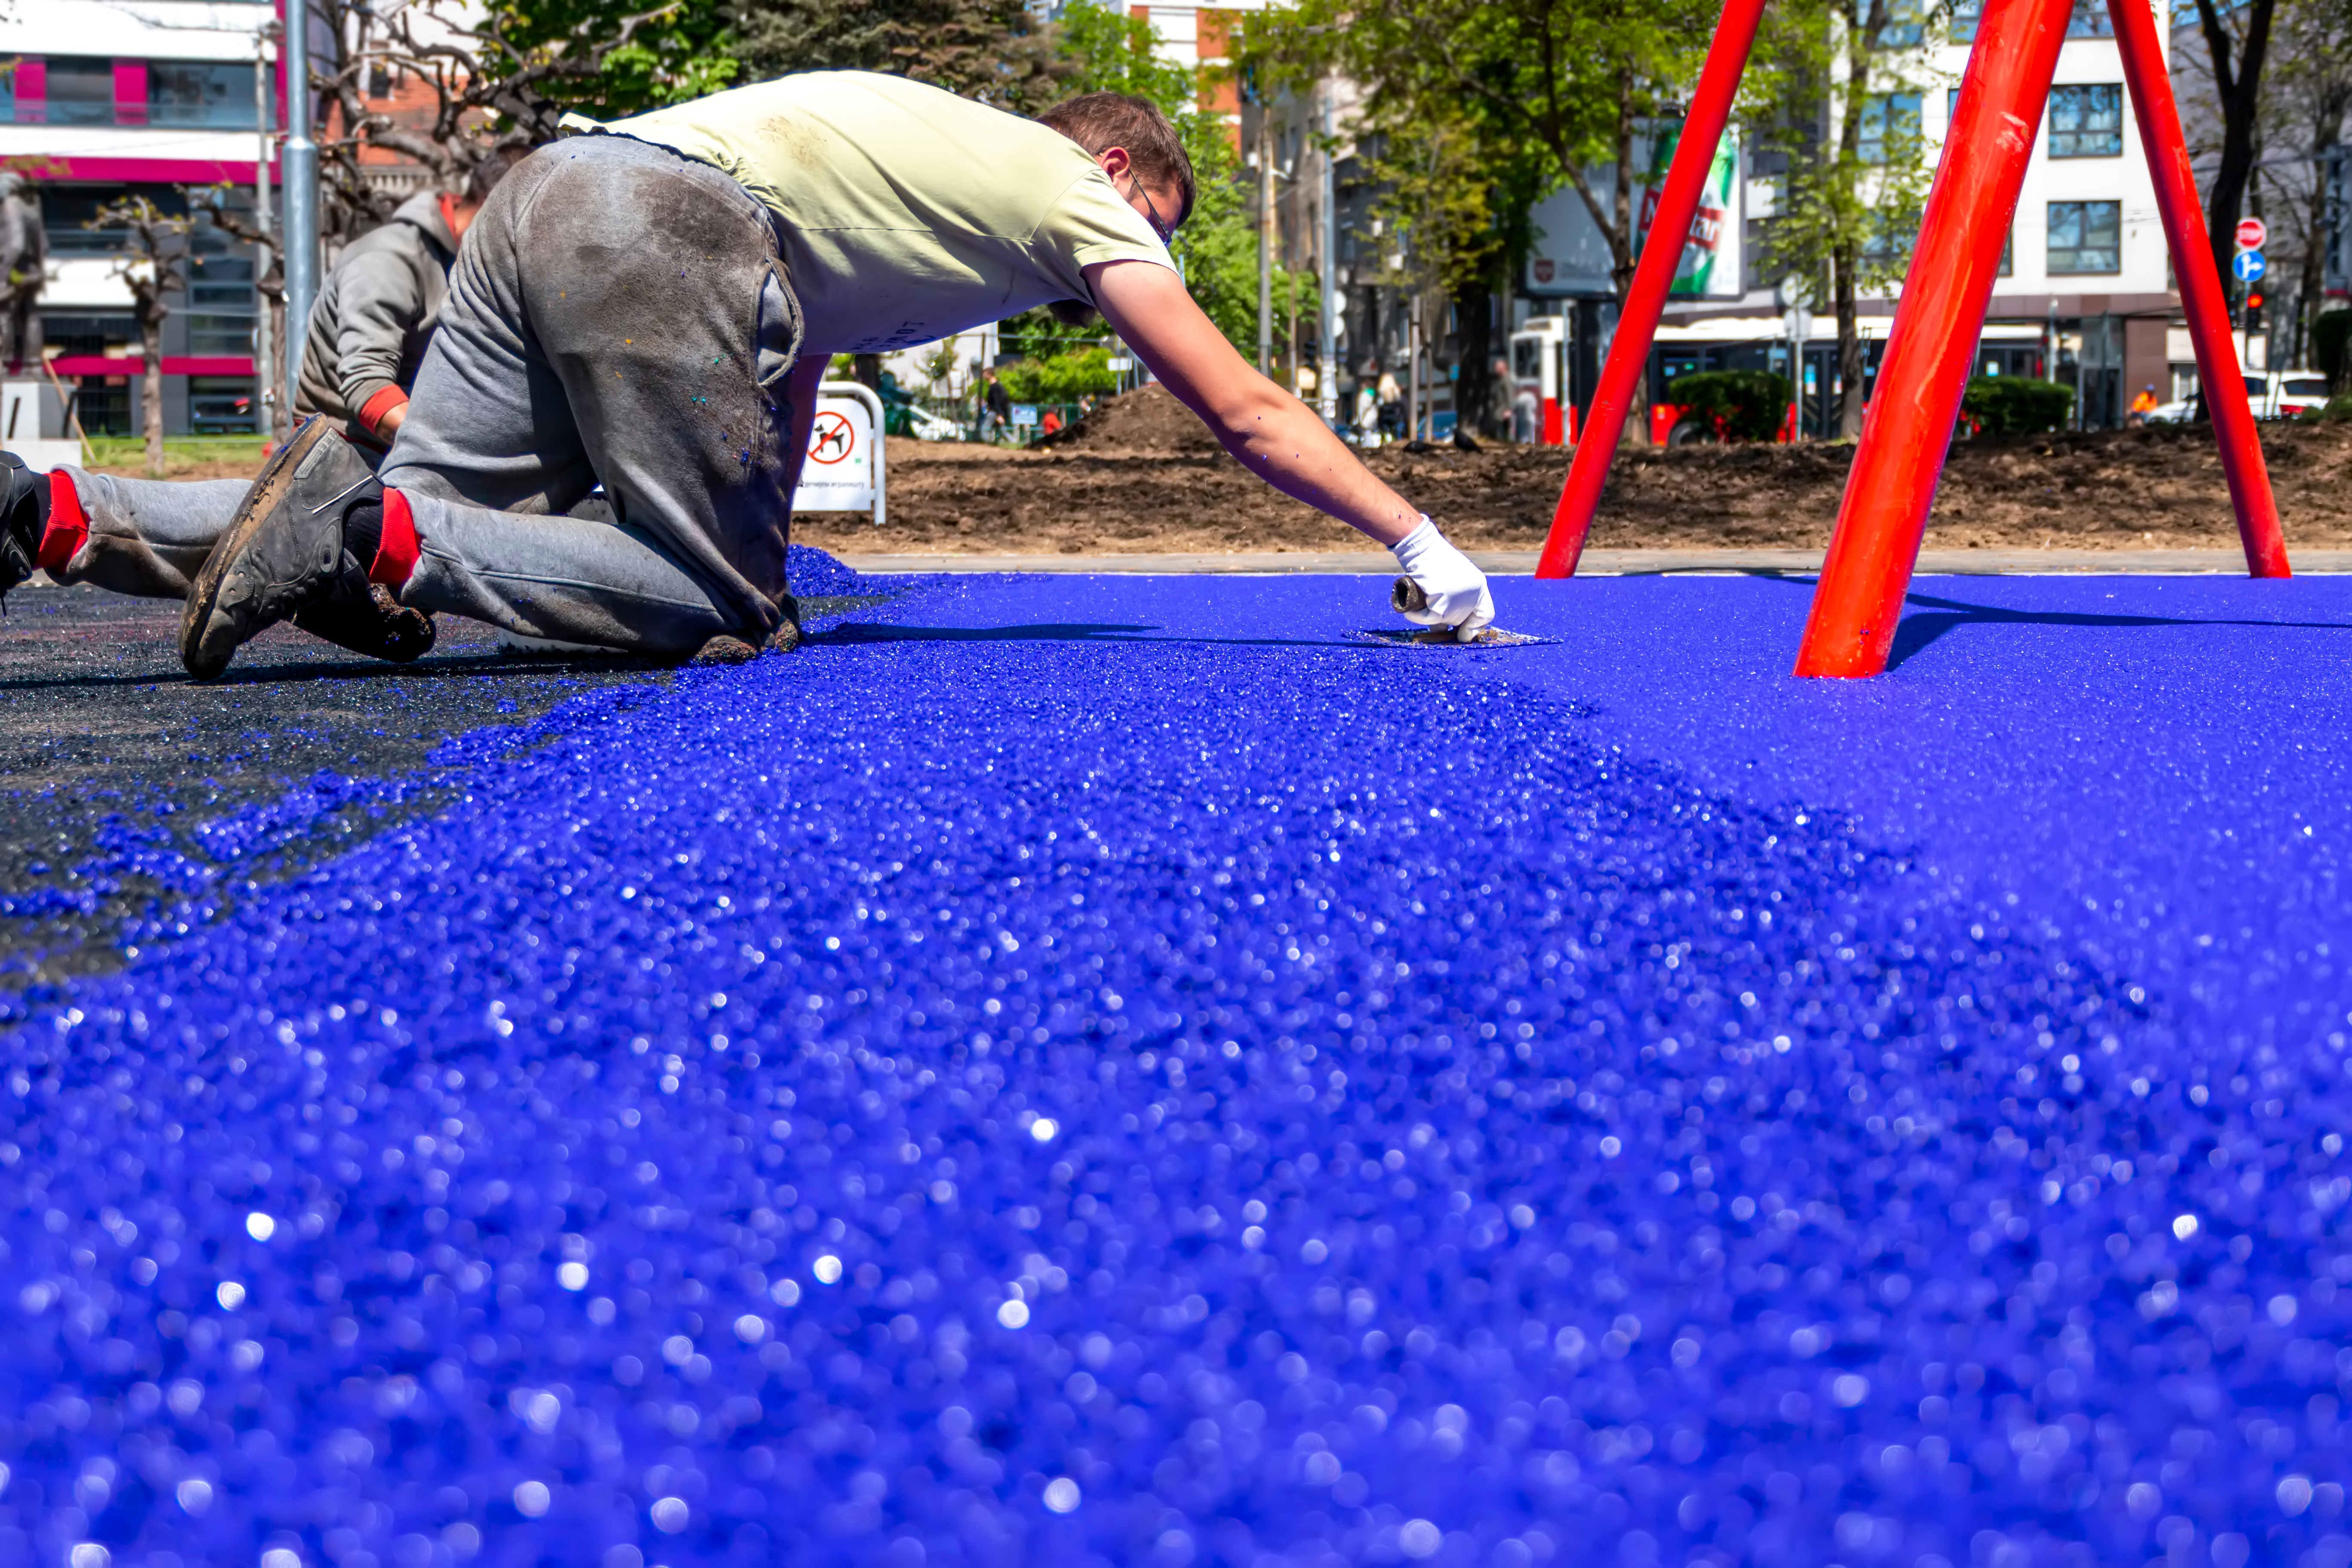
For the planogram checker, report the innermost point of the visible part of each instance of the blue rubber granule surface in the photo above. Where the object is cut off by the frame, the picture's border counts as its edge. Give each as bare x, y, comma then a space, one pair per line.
1120, 1074
816, 574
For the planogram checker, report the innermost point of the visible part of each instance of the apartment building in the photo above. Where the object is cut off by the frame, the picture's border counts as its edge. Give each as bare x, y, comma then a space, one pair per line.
2084, 294
108, 99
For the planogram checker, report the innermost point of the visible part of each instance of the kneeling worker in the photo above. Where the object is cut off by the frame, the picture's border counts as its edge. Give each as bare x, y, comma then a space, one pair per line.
365, 339
652, 305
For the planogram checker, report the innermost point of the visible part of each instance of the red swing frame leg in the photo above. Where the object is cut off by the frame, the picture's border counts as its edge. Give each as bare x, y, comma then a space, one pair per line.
2201, 300
1654, 275
1945, 290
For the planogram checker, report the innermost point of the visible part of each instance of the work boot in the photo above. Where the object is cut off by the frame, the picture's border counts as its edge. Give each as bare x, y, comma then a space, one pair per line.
787, 635
379, 625
725, 649
302, 541
24, 520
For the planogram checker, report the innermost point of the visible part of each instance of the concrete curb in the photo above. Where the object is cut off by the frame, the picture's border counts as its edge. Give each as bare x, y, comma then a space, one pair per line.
1614, 563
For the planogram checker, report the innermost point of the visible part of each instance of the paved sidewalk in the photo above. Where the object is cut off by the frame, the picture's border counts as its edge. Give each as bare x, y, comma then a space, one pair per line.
1611, 563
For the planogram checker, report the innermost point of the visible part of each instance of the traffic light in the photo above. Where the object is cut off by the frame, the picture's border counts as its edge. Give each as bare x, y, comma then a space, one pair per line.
2254, 310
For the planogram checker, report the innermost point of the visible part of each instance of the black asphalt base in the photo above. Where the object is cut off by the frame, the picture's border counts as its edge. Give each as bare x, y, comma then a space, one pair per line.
104, 740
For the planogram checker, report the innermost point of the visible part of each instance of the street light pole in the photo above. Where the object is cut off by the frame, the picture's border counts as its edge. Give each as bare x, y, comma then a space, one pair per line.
1327, 369
300, 179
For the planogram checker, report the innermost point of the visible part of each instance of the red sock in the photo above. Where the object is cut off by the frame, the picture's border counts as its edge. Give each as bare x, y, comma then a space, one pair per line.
68, 527
396, 552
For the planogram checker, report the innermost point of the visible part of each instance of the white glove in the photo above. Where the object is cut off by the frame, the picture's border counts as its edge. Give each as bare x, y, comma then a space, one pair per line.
1450, 591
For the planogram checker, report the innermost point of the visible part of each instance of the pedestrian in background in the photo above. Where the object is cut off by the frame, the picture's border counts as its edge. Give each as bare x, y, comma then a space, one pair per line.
996, 407
1367, 409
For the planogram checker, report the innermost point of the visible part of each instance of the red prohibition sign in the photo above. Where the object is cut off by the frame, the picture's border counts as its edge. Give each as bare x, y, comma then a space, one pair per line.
833, 438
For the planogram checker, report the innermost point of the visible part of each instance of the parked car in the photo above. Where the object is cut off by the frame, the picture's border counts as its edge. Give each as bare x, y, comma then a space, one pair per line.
2293, 393
2273, 395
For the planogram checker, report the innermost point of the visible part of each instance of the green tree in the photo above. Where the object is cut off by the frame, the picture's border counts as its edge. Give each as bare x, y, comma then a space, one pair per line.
150, 267
502, 79
1522, 96
1216, 250
1836, 89
994, 50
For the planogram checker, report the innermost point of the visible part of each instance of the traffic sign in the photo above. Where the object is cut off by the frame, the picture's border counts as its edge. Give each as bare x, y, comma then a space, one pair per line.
2252, 234
2248, 266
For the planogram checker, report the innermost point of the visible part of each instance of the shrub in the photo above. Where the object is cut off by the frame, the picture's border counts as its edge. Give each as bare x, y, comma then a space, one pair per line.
2331, 334
1743, 404
1059, 378
2016, 405
2339, 407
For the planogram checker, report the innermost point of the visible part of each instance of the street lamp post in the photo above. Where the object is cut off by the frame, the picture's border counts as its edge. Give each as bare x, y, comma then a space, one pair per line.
1327, 369
301, 187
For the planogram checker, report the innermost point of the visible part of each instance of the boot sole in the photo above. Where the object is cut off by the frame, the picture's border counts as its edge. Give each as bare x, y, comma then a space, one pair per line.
269, 489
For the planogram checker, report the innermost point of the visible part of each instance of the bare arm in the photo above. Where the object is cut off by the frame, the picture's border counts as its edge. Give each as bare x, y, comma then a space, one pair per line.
1274, 435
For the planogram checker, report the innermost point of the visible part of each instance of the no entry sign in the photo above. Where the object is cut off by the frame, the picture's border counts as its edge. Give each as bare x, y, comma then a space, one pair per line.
2252, 234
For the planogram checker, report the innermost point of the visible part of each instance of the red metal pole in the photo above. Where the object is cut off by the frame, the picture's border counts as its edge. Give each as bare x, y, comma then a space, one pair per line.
2201, 299
1654, 275
1945, 292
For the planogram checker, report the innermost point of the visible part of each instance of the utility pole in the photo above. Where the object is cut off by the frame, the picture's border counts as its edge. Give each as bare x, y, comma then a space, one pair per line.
301, 186
1268, 236
265, 350
1327, 369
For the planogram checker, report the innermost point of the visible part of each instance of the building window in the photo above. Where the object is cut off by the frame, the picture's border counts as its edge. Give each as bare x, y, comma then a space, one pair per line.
2086, 121
1906, 27
97, 337
102, 403
2085, 236
221, 404
1889, 247
220, 305
69, 213
79, 90
1890, 127
207, 94
2090, 20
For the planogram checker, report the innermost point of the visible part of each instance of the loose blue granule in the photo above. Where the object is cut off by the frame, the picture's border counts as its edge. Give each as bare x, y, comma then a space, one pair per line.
814, 575
924, 1103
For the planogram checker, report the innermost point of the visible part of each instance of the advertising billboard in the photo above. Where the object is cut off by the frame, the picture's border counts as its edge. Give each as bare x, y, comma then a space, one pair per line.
1569, 256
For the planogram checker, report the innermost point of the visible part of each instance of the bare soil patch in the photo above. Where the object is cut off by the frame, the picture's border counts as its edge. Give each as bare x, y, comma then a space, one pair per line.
1141, 476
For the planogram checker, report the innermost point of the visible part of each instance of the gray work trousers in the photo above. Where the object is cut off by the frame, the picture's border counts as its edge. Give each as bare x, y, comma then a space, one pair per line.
148, 537
618, 313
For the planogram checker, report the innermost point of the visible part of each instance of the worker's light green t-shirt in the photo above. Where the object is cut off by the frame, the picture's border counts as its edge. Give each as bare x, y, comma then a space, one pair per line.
909, 214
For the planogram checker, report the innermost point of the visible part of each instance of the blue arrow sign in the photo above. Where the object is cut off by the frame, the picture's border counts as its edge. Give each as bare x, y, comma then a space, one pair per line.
2248, 266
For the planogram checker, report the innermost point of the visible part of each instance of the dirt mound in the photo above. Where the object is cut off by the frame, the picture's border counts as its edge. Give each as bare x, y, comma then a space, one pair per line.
1127, 486
1147, 419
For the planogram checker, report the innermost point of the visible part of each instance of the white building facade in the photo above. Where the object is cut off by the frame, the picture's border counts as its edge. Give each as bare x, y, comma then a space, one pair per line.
108, 99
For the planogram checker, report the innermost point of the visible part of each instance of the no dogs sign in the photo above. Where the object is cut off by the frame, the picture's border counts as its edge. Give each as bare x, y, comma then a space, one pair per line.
843, 470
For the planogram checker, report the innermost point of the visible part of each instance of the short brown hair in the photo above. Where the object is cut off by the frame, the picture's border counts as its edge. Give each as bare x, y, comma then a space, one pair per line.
489, 172
1098, 121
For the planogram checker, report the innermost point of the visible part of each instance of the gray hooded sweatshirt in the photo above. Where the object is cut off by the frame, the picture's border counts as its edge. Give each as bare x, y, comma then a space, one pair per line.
371, 321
